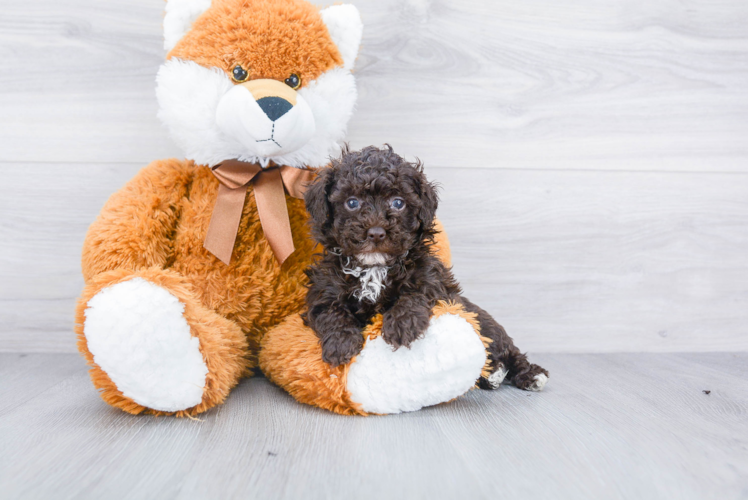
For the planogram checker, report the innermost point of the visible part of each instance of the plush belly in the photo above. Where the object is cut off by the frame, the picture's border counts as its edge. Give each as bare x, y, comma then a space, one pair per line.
253, 290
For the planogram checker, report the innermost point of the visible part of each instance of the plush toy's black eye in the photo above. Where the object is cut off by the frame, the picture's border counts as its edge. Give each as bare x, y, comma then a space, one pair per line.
397, 203
239, 74
294, 81
352, 203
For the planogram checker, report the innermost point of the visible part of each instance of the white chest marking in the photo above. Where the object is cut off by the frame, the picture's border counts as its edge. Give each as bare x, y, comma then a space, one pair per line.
372, 279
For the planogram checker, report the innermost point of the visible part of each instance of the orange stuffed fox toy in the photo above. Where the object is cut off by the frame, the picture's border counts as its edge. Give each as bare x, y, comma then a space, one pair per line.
194, 270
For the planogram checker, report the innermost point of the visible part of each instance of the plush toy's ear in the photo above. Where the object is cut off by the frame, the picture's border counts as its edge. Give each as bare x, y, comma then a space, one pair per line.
180, 14
345, 27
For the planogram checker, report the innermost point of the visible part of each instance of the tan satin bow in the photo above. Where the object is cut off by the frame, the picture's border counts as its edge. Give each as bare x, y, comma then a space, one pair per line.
235, 177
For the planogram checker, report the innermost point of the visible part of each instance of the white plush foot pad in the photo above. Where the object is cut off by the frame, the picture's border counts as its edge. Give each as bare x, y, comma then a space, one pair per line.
137, 334
441, 366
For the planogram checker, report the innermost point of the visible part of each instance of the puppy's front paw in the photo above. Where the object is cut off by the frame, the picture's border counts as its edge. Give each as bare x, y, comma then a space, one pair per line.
340, 348
401, 328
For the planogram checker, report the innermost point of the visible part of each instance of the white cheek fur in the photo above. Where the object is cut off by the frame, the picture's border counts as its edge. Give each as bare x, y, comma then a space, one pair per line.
189, 95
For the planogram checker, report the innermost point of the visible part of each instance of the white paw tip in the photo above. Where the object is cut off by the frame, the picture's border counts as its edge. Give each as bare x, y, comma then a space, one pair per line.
540, 381
497, 377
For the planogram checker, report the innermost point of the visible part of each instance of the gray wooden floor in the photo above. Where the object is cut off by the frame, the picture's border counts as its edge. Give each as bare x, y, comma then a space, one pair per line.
635, 426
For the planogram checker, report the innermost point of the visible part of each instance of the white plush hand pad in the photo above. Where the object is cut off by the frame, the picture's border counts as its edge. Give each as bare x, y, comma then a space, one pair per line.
441, 366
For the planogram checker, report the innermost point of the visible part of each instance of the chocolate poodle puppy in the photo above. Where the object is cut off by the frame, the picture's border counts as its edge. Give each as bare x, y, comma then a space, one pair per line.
373, 212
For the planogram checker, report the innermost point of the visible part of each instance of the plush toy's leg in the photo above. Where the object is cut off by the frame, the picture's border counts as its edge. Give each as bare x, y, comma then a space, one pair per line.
506, 360
439, 367
291, 356
153, 347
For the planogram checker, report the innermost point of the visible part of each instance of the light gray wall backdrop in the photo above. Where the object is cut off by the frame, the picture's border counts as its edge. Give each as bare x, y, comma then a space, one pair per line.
593, 156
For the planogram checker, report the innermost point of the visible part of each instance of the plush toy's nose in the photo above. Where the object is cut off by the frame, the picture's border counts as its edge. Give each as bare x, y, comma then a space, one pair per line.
274, 107
376, 234
274, 98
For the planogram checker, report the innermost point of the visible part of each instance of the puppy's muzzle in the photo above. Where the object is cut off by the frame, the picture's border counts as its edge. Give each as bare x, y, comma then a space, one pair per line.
376, 235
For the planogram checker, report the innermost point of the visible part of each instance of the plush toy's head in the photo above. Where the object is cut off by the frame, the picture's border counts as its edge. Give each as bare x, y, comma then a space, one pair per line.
258, 80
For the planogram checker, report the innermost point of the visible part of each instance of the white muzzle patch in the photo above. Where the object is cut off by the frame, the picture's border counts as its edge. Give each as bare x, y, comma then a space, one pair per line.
241, 117
372, 259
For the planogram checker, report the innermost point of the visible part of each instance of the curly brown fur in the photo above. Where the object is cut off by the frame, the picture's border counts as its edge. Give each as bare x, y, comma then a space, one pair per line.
371, 208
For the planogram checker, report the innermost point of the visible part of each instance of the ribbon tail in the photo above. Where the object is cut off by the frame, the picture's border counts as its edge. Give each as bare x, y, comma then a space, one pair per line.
224, 222
273, 212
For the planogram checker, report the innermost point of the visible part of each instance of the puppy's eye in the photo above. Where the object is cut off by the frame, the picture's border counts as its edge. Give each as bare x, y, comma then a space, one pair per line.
397, 203
293, 81
352, 203
239, 74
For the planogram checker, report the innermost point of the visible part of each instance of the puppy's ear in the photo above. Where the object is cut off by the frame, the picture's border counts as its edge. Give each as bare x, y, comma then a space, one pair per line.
316, 197
429, 202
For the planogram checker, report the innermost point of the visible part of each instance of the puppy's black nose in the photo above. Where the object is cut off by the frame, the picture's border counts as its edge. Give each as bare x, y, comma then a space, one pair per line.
274, 107
376, 234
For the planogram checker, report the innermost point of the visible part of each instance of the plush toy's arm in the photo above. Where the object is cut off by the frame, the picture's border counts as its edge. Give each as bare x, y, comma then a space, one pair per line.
437, 368
136, 225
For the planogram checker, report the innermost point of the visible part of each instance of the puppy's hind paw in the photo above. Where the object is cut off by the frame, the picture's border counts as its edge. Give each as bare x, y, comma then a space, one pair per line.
539, 382
494, 380
533, 379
